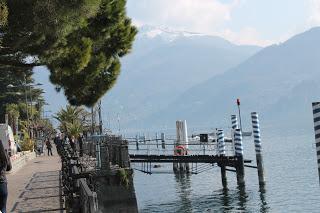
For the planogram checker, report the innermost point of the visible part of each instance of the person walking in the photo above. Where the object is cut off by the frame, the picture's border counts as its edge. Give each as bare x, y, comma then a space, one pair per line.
80, 142
5, 165
73, 143
49, 147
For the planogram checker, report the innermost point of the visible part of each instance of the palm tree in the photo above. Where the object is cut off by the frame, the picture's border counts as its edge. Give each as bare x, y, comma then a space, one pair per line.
71, 119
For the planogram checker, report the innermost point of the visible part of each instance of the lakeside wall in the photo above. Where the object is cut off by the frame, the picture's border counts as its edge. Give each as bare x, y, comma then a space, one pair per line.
20, 159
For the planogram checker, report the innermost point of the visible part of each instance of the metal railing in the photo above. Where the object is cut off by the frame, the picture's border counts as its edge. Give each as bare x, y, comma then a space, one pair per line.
79, 193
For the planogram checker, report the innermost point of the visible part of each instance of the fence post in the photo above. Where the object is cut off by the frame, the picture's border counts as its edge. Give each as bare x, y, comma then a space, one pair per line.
258, 147
316, 121
239, 156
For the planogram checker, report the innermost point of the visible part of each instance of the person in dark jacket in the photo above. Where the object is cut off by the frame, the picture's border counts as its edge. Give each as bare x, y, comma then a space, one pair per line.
5, 165
73, 143
80, 142
49, 147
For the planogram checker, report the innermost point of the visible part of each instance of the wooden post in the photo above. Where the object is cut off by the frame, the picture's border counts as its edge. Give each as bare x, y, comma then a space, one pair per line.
223, 176
163, 140
222, 152
137, 142
316, 121
239, 157
258, 147
157, 140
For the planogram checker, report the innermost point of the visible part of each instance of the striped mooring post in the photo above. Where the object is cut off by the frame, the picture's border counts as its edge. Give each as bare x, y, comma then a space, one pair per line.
258, 147
221, 143
234, 125
234, 122
316, 121
222, 152
239, 154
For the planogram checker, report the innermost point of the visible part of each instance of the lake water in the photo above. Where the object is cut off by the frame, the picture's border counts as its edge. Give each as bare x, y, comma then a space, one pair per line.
292, 183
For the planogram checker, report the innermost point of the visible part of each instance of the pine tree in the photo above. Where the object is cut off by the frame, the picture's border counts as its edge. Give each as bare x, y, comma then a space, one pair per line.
80, 41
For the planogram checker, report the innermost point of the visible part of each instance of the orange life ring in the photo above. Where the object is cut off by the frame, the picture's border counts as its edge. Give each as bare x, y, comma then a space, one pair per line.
180, 150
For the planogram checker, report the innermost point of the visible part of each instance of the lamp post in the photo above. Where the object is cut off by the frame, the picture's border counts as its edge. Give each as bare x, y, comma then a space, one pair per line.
100, 118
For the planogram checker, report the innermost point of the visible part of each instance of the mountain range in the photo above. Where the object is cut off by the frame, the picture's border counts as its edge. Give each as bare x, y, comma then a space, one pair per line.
174, 75
279, 82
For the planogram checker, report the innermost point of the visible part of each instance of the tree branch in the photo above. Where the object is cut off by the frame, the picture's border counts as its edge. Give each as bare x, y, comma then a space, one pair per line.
19, 64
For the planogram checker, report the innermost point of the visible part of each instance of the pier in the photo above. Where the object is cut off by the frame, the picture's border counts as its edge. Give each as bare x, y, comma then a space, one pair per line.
212, 149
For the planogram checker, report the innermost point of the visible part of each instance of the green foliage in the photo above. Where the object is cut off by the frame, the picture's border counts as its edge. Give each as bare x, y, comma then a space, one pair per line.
14, 95
13, 113
74, 128
80, 41
3, 13
12, 110
26, 144
72, 120
45, 126
123, 177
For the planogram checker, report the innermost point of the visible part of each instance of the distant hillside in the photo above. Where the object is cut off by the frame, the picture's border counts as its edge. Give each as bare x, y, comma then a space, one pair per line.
161, 67
280, 82
165, 64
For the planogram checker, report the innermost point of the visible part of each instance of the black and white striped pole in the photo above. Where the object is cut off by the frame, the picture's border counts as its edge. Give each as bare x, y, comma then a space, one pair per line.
221, 143
222, 152
316, 121
234, 122
239, 156
258, 147
234, 125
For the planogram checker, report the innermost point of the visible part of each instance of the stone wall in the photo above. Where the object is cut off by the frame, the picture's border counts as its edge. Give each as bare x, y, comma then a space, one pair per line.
20, 159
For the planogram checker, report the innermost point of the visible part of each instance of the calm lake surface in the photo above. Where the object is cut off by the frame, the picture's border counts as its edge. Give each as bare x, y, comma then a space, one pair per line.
290, 170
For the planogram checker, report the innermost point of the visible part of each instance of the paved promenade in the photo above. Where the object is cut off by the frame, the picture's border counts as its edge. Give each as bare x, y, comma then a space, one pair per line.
36, 187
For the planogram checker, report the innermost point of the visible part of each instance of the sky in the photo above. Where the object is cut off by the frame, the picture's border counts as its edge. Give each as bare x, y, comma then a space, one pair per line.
254, 22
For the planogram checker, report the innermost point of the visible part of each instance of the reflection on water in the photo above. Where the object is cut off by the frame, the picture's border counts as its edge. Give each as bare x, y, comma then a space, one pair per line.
221, 200
288, 188
183, 187
242, 196
263, 205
